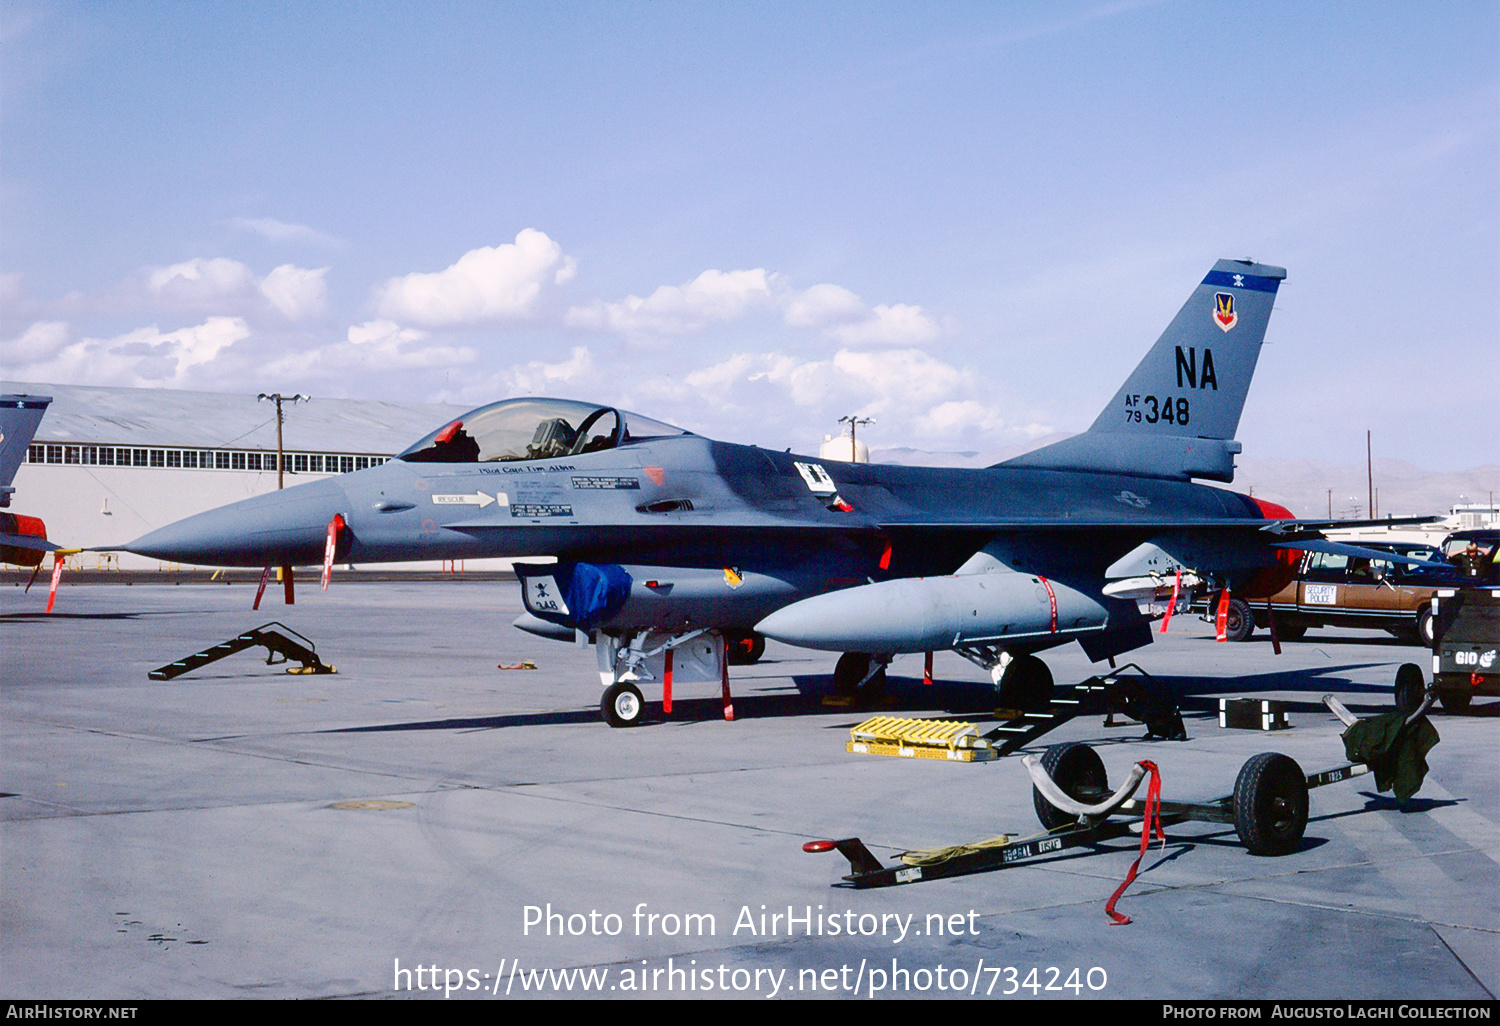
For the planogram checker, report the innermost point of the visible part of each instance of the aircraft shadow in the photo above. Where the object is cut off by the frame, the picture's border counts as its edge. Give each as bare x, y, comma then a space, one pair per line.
816, 696
560, 717
81, 616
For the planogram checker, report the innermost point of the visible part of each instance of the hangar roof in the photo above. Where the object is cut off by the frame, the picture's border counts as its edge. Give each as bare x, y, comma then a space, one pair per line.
169, 417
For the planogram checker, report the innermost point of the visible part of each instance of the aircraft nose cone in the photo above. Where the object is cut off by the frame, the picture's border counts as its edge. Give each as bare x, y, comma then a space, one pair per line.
284, 527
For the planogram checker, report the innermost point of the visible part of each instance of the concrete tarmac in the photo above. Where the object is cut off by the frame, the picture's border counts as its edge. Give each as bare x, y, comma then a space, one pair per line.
424, 824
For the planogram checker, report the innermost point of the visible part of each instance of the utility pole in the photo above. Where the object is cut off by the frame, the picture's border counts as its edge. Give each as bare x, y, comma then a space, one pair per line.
1370, 475
853, 423
278, 399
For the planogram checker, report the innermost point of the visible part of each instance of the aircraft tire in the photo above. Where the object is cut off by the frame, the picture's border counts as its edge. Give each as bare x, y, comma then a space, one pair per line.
745, 649
1270, 804
1454, 700
622, 704
1026, 685
1239, 622
851, 668
1410, 688
1077, 769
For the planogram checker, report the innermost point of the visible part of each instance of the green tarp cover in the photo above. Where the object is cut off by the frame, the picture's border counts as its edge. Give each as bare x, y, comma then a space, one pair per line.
1397, 757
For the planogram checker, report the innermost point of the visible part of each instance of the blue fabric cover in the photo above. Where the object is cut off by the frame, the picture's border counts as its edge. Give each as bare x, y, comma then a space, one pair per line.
594, 592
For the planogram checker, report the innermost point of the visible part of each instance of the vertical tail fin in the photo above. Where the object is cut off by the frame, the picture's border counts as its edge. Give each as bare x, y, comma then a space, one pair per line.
1177, 413
19, 417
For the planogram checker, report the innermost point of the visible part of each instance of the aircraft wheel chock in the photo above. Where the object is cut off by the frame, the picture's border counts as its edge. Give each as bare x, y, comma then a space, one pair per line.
1025, 685
622, 704
1079, 772
1270, 804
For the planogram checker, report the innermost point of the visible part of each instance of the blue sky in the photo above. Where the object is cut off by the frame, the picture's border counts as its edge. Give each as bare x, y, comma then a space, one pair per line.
967, 220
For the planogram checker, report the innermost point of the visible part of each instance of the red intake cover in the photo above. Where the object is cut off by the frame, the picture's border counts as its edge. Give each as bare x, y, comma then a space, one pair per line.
1272, 579
11, 523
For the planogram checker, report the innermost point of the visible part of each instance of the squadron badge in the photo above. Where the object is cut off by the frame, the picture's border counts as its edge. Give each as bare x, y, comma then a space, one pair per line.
1224, 314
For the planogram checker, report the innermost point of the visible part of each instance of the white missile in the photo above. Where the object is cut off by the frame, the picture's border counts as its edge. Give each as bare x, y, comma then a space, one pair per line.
1144, 589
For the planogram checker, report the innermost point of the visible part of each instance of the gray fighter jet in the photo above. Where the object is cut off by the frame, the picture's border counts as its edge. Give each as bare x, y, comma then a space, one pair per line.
674, 546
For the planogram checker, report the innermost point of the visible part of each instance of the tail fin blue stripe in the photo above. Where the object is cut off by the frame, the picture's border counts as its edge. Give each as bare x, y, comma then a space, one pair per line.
1242, 281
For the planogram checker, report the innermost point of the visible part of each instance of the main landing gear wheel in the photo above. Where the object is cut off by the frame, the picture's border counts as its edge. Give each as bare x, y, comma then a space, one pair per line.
1239, 622
1270, 804
1026, 684
1079, 772
622, 704
745, 649
852, 673
1409, 688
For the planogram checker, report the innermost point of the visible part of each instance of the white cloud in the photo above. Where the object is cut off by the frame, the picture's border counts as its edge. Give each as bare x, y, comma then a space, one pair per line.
379, 333
538, 376
899, 325
374, 346
712, 297
38, 343
281, 231
201, 280
916, 398
296, 291
48, 351
220, 285
717, 297
823, 305
501, 282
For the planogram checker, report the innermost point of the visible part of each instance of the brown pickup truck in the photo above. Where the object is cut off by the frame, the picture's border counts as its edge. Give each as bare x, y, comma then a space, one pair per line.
1338, 590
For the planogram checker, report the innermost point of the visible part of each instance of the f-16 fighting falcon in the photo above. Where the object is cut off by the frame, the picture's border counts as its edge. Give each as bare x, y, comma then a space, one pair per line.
669, 544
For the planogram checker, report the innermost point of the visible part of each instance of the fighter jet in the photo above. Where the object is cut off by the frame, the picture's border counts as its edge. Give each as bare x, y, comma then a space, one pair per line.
669, 544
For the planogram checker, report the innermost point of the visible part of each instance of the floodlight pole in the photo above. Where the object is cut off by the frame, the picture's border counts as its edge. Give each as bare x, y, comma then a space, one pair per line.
278, 399
854, 423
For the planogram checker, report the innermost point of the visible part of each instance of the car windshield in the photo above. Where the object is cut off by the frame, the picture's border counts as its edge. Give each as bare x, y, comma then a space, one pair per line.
533, 429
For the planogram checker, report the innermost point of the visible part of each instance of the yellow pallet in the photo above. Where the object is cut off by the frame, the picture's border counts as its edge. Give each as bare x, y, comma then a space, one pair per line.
920, 739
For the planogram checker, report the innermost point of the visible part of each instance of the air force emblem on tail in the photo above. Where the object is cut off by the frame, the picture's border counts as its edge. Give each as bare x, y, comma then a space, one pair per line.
1224, 313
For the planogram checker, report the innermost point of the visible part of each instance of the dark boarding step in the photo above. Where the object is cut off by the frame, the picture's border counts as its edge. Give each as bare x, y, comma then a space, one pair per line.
285, 642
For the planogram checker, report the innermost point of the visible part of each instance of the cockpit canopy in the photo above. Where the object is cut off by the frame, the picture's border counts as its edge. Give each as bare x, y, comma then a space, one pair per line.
534, 429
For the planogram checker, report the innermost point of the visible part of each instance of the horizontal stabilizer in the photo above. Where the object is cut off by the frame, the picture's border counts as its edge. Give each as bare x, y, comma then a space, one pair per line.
1360, 552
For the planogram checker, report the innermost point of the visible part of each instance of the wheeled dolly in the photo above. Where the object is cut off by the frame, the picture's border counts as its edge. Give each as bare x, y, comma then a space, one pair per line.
1070, 792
